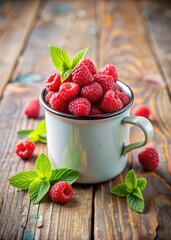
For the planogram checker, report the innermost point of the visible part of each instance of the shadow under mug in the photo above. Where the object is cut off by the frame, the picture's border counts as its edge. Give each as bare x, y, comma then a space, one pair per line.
95, 146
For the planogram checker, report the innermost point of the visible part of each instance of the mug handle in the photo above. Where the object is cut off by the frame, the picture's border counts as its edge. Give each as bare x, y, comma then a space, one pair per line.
145, 126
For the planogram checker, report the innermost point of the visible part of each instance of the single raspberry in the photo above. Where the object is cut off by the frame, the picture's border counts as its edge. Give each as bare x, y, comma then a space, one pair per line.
32, 108
80, 106
95, 110
58, 103
25, 148
93, 92
111, 102
105, 81
61, 192
48, 96
81, 75
53, 82
124, 97
89, 64
149, 159
110, 70
69, 90
141, 110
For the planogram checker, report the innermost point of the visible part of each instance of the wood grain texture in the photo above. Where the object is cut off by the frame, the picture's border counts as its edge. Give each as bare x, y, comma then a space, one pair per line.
124, 41
58, 24
16, 19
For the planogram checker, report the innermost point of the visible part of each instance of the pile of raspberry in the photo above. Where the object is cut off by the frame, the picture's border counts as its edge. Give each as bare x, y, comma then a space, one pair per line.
86, 92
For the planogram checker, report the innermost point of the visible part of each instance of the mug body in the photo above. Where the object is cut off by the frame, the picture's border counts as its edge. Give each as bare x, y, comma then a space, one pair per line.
91, 145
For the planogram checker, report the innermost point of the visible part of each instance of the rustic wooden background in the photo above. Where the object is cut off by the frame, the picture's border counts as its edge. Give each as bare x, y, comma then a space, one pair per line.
136, 37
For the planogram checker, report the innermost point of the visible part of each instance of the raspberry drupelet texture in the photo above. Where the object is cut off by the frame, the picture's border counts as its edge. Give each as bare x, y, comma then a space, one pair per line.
61, 192
90, 65
80, 106
110, 102
25, 148
95, 110
93, 92
58, 103
69, 90
53, 82
110, 70
105, 81
149, 159
48, 96
141, 110
82, 75
124, 97
32, 108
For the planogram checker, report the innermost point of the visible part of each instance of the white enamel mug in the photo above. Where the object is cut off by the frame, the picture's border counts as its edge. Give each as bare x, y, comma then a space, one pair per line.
95, 146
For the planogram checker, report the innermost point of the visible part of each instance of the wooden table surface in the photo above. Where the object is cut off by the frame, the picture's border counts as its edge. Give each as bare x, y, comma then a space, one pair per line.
136, 37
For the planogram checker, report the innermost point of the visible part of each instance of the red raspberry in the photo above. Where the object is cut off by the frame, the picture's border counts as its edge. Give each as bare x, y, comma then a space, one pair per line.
80, 106
53, 82
69, 90
93, 92
61, 192
48, 96
95, 110
25, 148
81, 75
90, 65
105, 81
32, 108
58, 103
124, 97
149, 159
116, 87
141, 110
111, 102
110, 70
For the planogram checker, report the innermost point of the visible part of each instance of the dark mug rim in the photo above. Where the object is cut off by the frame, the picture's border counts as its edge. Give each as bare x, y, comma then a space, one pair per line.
96, 117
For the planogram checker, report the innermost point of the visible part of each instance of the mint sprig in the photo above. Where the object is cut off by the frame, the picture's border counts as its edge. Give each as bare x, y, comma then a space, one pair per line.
38, 181
132, 189
36, 135
62, 61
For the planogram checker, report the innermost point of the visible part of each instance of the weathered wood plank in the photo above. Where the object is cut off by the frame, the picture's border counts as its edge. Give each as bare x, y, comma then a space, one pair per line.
158, 21
59, 24
16, 19
123, 41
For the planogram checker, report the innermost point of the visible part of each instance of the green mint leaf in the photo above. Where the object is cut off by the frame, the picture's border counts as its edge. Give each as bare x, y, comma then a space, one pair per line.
41, 127
78, 57
137, 192
135, 203
131, 180
141, 183
60, 58
22, 180
42, 138
24, 133
64, 174
120, 190
37, 189
34, 136
66, 74
43, 167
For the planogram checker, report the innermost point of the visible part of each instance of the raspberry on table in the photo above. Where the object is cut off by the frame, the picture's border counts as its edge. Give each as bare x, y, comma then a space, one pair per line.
61, 192
53, 82
89, 64
95, 110
149, 159
48, 96
82, 75
32, 108
110, 102
58, 103
110, 70
141, 110
124, 97
105, 81
80, 106
25, 148
69, 90
93, 92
